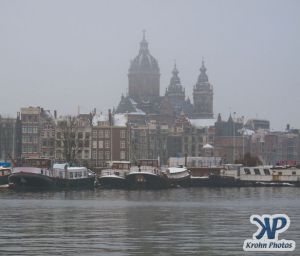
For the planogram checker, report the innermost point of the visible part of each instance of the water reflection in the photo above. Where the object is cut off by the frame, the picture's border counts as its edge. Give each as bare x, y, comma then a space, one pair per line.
195, 221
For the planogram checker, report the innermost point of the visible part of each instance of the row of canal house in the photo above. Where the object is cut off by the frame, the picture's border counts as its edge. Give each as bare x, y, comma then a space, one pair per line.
96, 138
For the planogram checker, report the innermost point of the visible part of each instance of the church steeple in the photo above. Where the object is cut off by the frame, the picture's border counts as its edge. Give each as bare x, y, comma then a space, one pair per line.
202, 78
203, 95
144, 44
175, 86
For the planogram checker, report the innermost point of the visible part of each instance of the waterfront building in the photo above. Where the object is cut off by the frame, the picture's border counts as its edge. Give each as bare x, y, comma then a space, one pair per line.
38, 133
110, 139
274, 147
10, 138
73, 139
149, 141
231, 139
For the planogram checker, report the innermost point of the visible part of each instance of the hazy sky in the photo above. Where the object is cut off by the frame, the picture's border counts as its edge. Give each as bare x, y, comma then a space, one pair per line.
65, 53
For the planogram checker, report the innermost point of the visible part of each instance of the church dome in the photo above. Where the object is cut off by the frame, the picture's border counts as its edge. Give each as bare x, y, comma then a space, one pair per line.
144, 62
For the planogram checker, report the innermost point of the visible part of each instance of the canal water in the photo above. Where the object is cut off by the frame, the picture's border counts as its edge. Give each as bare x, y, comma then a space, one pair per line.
193, 221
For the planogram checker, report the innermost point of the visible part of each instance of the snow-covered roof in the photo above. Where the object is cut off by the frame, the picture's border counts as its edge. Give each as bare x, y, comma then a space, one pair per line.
137, 112
208, 146
246, 132
199, 123
99, 118
120, 119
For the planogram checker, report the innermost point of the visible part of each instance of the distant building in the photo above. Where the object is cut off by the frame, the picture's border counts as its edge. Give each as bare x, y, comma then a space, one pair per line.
110, 139
255, 124
73, 139
38, 133
203, 96
144, 92
144, 78
10, 138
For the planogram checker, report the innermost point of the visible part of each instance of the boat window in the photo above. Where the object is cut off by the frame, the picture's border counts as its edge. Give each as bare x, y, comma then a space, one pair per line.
85, 173
256, 171
267, 171
293, 173
71, 175
247, 171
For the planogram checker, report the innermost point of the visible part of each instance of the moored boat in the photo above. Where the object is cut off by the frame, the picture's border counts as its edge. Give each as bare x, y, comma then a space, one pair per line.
39, 175
5, 171
115, 176
147, 175
258, 176
179, 176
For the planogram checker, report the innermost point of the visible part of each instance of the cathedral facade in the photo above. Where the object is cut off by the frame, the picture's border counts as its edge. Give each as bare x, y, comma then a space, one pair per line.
144, 91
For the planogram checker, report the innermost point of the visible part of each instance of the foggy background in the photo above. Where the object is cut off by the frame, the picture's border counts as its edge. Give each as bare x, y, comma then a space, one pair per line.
61, 54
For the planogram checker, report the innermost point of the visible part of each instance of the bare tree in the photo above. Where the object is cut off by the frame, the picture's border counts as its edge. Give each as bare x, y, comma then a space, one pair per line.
68, 128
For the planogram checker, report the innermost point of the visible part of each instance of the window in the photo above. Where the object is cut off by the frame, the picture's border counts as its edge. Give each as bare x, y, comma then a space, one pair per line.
80, 135
100, 134
58, 135
86, 154
256, 171
122, 155
107, 155
123, 134
100, 144
94, 154
122, 144
267, 171
94, 133
107, 144
107, 133
24, 129
87, 135
94, 144
87, 143
294, 173
279, 173
34, 129
100, 155
71, 175
247, 171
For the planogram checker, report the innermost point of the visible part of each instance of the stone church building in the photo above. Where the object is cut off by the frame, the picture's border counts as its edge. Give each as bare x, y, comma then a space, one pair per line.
144, 92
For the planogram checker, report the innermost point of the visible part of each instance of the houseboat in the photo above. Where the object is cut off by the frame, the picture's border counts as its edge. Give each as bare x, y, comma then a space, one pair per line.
5, 171
115, 175
258, 176
147, 175
179, 176
37, 174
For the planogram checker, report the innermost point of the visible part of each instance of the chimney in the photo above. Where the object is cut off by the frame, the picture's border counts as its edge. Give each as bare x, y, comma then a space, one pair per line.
55, 114
288, 127
110, 117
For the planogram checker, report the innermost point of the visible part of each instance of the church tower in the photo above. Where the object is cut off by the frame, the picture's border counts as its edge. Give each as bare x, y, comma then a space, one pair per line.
175, 92
143, 76
203, 96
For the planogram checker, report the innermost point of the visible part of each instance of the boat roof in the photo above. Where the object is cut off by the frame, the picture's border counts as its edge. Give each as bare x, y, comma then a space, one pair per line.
176, 169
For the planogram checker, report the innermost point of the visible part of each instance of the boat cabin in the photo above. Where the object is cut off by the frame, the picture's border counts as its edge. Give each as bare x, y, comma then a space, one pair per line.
64, 171
43, 163
4, 171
